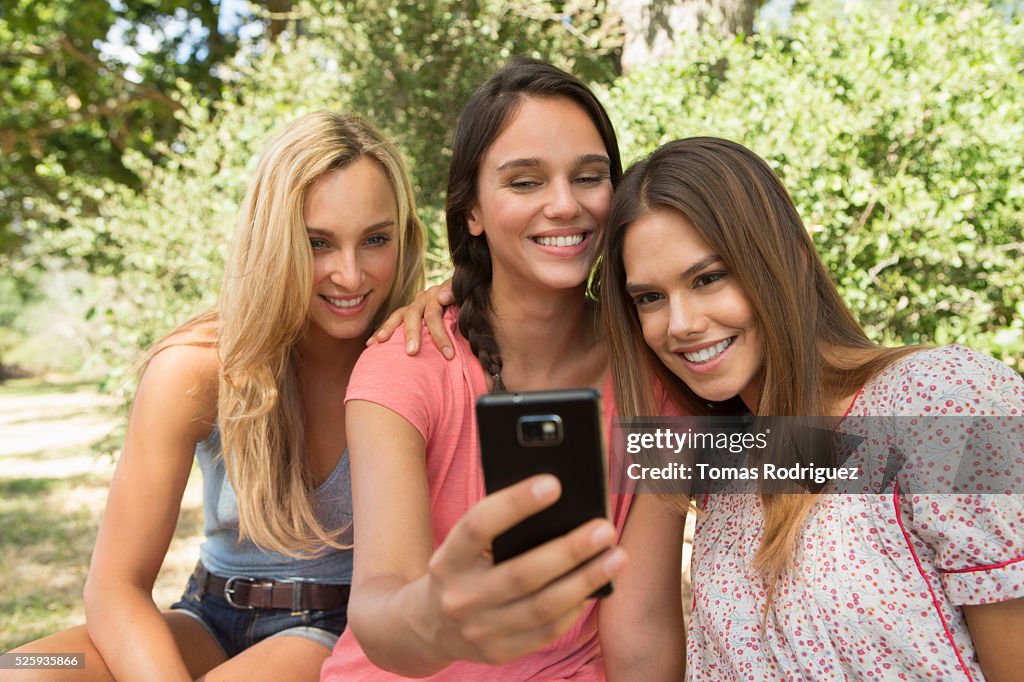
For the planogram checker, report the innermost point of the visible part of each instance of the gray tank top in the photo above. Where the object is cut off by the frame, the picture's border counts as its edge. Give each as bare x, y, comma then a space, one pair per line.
224, 555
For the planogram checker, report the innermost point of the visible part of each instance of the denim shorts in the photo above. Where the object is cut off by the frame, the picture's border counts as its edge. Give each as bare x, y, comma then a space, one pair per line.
238, 629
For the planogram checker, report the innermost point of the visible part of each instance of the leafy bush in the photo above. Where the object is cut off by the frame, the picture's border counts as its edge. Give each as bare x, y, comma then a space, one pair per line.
404, 66
898, 133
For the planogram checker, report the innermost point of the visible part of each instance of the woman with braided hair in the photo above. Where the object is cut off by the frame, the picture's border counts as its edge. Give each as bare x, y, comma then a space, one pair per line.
533, 165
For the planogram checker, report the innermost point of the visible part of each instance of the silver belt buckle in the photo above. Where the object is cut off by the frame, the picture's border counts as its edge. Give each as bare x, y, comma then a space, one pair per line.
229, 590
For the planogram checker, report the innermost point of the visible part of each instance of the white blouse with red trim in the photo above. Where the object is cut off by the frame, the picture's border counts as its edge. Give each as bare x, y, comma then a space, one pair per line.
878, 579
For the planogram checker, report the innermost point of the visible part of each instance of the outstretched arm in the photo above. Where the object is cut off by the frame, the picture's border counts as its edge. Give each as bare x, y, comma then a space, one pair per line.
415, 610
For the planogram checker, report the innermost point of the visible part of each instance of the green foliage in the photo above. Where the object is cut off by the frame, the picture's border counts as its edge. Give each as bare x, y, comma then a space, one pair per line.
71, 110
413, 62
894, 126
162, 248
405, 67
897, 130
53, 332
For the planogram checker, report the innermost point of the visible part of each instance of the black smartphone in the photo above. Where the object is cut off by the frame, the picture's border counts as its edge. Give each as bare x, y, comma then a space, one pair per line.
545, 432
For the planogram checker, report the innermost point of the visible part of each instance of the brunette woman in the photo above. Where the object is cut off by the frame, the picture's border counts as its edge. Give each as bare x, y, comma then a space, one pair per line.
713, 286
533, 165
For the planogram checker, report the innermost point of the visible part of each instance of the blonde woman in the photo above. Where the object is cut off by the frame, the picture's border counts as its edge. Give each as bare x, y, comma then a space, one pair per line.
327, 243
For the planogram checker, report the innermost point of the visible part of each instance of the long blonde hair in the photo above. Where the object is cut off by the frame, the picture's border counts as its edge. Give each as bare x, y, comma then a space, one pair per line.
263, 311
814, 351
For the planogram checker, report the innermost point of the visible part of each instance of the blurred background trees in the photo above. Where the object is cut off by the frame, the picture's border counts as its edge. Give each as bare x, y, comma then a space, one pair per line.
129, 128
897, 130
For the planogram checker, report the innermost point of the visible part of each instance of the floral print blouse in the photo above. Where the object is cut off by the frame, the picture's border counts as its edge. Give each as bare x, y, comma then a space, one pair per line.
878, 579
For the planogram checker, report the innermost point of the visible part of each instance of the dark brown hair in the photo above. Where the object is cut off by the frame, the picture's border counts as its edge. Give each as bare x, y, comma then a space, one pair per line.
486, 114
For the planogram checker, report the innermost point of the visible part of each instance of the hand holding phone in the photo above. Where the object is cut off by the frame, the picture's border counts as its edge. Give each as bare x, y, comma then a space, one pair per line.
553, 432
493, 613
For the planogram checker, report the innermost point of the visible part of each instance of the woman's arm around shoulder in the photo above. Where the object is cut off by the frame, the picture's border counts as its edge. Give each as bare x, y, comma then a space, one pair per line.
174, 408
428, 306
641, 623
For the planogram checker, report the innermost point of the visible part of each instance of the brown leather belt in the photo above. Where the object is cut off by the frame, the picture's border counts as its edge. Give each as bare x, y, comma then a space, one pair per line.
257, 593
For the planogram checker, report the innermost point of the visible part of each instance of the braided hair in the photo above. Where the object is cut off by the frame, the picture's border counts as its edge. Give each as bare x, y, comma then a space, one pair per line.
486, 114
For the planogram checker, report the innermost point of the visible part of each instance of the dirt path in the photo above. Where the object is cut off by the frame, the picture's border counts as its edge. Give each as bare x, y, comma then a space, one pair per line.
33, 423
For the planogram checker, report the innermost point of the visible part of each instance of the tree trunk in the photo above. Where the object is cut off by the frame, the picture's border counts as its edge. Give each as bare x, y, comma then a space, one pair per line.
651, 26
279, 10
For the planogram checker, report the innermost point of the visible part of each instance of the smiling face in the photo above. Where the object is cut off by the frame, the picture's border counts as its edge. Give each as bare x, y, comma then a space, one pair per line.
351, 217
543, 192
692, 311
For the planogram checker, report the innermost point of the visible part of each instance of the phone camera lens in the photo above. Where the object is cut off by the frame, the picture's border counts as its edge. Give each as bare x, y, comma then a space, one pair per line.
540, 430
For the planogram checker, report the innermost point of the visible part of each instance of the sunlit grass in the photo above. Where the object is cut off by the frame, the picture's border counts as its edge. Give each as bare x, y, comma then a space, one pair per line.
51, 501
50, 385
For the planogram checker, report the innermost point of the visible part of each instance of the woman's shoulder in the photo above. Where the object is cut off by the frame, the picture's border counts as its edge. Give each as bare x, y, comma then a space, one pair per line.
425, 389
948, 363
182, 374
391, 354
387, 365
186, 355
201, 331
954, 377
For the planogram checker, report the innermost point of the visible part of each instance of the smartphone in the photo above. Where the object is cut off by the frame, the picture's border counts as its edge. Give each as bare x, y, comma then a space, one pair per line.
545, 432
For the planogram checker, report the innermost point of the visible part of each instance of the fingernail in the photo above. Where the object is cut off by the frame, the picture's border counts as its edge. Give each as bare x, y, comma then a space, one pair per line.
613, 563
545, 487
410, 347
448, 352
602, 535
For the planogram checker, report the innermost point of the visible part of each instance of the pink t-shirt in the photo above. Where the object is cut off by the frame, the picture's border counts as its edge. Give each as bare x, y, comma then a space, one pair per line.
879, 579
437, 397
